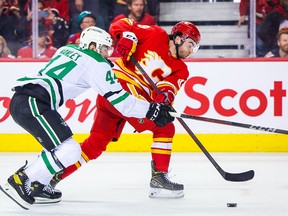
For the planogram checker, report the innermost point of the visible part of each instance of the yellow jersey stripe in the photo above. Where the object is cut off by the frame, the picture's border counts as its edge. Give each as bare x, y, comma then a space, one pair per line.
131, 73
85, 157
77, 164
160, 151
162, 139
122, 76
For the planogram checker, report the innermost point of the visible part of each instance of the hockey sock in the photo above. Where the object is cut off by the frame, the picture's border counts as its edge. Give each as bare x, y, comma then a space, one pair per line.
71, 169
43, 168
161, 154
51, 162
68, 152
89, 152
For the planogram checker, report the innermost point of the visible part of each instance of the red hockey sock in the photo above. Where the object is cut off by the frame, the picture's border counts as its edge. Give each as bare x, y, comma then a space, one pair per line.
162, 161
69, 170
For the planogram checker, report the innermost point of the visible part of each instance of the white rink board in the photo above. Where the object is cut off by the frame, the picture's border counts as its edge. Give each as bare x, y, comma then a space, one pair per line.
225, 82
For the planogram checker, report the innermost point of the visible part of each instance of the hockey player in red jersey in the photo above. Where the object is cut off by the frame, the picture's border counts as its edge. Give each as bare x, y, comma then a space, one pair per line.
161, 56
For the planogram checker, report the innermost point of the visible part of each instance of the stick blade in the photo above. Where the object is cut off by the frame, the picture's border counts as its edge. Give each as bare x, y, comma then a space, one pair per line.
239, 177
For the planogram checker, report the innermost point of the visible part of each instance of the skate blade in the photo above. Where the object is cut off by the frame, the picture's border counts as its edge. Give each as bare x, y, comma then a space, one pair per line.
158, 193
41, 201
12, 194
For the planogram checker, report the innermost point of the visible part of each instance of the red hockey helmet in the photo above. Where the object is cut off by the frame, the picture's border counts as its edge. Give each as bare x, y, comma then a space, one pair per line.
186, 29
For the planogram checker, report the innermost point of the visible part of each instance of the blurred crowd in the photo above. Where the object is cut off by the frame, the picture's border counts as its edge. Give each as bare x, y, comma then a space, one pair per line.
61, 22
271, 26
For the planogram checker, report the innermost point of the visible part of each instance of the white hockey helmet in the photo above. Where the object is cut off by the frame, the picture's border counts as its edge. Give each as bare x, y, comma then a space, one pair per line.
96, 35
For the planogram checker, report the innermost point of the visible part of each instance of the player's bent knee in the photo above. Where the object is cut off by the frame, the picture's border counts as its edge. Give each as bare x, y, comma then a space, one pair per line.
93, 147
166, 131
69, 152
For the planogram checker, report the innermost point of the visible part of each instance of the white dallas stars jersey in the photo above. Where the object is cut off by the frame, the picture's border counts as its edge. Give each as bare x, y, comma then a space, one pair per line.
73, 70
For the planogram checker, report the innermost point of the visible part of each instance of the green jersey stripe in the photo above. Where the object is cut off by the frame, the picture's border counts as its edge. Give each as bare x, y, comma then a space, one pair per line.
45, 125
120, 99
47, 163
52, 89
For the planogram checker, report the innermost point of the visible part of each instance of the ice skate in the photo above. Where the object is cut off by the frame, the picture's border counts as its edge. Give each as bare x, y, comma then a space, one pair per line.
18, 189
162, 187
45, 194
56, 179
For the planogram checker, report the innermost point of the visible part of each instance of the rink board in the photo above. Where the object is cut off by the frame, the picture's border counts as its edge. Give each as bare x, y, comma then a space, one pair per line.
182, 143
251, 91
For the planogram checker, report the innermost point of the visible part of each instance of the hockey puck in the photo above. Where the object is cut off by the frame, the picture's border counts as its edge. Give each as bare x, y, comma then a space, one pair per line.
231, 204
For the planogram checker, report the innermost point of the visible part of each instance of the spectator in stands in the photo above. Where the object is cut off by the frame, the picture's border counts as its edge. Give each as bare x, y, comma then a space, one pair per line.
14, 13
153, 8
4, 50
62, 7
7, 28
119, 7
44, 49
104, 15
210, 1
85, 20
57, 26
24, 27
98, 8
263, 7
272, 23
75, 7
282, 42
136, 12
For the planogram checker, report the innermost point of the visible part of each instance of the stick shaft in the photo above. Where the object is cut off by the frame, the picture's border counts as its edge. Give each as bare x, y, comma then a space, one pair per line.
245, 176
230, 123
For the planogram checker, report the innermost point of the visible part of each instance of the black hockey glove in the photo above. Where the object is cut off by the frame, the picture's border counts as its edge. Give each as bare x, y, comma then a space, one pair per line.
159, 113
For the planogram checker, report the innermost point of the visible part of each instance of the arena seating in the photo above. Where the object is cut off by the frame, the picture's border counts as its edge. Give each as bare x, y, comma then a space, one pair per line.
217, 22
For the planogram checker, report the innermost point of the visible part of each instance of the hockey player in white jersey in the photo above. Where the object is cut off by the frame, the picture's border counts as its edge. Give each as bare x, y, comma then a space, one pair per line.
71, 71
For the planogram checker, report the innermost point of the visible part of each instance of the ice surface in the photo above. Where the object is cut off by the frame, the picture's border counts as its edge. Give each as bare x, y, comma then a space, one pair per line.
118, 184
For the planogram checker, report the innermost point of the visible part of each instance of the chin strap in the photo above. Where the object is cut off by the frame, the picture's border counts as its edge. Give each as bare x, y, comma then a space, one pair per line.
110, 62
176, 45
177, 48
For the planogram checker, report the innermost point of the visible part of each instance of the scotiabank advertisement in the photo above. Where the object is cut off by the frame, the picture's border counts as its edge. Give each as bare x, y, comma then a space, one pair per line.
253, 92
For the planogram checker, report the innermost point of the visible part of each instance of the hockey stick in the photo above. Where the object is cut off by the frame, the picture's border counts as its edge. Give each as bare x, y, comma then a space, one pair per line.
235, 177
230, 123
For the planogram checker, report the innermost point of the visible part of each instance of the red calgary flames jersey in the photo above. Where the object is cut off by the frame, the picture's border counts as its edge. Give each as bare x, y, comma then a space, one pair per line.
153, 54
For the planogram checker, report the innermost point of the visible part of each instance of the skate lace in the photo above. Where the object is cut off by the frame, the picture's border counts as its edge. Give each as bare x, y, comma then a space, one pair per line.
167, 178
48, 189
27, 186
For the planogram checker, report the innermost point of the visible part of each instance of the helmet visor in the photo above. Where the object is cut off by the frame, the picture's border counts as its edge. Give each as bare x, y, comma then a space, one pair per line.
106, 51
195, 47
